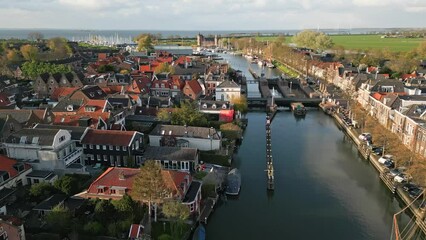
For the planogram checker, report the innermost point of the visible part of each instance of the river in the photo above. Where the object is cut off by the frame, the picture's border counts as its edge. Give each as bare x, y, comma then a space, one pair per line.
323, 189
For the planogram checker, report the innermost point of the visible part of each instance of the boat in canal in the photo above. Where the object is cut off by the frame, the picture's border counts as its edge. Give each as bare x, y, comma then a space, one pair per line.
233, 182
298, 109
199, 233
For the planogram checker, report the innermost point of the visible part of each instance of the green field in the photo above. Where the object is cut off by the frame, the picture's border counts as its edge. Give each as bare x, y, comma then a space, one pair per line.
367, 42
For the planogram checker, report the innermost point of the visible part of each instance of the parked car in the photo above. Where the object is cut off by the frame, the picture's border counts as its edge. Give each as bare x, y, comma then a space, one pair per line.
395, 172
365, 137
389, 164
384, 158
415, 192
408, 186
401, 178
377, 150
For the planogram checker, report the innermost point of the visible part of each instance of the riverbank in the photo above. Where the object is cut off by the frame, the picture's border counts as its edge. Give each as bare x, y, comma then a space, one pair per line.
394, 187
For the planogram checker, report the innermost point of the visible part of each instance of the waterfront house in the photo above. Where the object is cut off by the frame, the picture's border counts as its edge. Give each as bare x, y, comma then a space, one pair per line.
227, 90
45, 149
117, 181
173, 158
112, 147
223, 110
202, 138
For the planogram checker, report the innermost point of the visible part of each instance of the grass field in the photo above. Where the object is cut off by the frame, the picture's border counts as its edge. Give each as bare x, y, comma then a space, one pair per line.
367, 42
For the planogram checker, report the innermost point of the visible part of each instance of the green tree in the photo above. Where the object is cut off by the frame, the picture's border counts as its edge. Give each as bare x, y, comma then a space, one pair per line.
41, 190
188, 114
29, 52
164, 115
94, 228
59, 47
149, 186
104, 211
67, 184
144, 41
59, 219
177, 213
35, 36
314, 40
164, 68
13, 56
421, 50
240, 104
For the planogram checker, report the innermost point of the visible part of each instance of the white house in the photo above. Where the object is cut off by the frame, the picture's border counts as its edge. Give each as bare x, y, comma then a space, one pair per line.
45, 149
227, 90
173, 158
204, 139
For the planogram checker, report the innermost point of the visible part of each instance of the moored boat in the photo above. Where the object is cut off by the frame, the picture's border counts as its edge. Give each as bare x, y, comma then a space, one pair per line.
298, 109
233, 182
199, 233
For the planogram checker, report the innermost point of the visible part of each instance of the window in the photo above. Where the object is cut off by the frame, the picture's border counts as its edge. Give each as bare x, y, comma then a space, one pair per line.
98, 147
124, 148
112, 191
84, 146
98, 157
91, 146
117, 148
36, 180
62, 138
104, 147
105, 158
111, 160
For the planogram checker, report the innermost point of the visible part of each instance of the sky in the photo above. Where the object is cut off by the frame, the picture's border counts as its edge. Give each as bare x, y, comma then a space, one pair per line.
212, 14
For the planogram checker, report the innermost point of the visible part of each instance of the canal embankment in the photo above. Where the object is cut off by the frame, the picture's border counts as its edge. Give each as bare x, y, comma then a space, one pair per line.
387, 180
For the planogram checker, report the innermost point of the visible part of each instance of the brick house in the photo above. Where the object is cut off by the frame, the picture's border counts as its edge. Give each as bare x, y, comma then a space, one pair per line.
192, 89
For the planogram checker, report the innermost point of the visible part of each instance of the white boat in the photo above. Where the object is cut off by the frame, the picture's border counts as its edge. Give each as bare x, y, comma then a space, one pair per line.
233, 182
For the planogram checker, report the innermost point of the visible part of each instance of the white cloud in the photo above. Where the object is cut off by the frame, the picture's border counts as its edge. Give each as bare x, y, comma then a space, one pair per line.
212, 14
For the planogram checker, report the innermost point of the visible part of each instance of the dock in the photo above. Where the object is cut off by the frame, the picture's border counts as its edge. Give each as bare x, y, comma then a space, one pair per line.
208, 209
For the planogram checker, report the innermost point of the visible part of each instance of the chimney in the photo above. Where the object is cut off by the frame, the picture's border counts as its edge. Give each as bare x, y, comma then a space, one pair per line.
121, 175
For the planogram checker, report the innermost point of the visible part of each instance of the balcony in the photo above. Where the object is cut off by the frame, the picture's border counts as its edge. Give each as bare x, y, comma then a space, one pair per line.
70, 158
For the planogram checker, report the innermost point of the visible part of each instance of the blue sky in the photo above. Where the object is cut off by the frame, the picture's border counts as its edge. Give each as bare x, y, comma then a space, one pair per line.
211, 14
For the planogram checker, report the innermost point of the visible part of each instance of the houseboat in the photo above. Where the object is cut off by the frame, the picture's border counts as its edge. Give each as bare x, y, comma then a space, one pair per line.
298, 109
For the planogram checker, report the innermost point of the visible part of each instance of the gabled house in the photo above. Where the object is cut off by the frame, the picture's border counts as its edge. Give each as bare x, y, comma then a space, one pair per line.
13, 173
228, 90
8, 125
45, 149
117, 181
173, 158
415, 116
111, 147
202, 138
46, 83
89, 92
26, 117
192, 89
12, 228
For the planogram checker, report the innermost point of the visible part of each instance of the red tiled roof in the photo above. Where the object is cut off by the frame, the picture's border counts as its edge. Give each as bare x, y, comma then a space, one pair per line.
406, 76
195, 86
6, 164
173, 179
98, 104
111, 178
73, 119
108, 137
40, 113
377, 96
62, 92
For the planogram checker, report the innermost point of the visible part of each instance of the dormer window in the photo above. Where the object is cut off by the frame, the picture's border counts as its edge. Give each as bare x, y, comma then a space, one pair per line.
204, 105
214, 106
224, 106
99, 92
90, 108
92, 94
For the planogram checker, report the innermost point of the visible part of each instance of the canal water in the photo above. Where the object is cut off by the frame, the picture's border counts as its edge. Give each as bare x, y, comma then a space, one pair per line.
323, 189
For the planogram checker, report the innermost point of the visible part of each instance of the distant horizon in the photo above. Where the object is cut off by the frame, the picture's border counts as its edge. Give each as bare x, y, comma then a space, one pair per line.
209, 30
